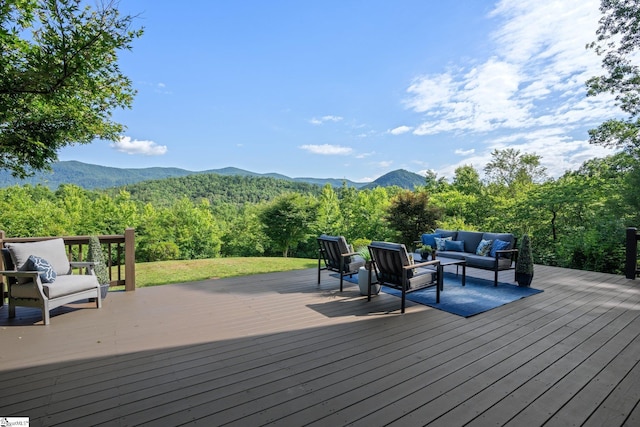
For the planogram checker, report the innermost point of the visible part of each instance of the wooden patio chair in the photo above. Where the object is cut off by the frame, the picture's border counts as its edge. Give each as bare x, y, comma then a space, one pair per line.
337, 256
39, 275
395, 269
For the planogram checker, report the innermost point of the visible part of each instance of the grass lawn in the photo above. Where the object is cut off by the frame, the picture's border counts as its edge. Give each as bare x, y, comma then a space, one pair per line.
164, 272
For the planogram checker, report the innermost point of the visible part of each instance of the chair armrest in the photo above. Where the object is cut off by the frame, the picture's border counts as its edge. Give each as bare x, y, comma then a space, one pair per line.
82, 264
33, 286
349, 254
15, 273
89, 265
435, 262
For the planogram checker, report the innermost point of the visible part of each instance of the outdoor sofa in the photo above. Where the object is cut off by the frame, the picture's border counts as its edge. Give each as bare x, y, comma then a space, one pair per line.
487, 251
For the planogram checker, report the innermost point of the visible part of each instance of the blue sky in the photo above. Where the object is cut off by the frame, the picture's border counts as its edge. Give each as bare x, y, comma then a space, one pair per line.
356, 88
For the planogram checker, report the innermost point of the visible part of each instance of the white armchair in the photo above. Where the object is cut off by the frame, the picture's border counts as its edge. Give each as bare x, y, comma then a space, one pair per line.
39, 275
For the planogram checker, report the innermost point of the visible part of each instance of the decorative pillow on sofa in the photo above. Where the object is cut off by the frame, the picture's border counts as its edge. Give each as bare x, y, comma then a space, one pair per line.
440, 242
454, 245
498, 245
430, 239
484, 247
42, 266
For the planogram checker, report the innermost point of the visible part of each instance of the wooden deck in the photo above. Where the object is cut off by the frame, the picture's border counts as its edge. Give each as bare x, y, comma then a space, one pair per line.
277, 349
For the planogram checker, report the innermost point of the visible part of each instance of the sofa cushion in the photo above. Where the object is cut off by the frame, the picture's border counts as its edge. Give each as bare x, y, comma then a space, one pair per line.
471, 240
484, 247
451, 254
440, 242
429, 239
447, 233
52, 250
454, 245
498, 245
42, 266
505, 237
70, 284
487, 263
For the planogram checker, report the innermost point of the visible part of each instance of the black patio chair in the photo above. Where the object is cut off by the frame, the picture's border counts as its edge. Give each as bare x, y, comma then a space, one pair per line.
338, 256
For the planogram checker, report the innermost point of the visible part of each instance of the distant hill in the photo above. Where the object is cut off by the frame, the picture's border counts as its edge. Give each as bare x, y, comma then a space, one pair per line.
91, 177
401, 178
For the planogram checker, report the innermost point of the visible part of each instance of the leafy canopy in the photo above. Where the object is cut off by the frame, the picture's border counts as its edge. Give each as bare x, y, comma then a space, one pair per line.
59, 78
618, 40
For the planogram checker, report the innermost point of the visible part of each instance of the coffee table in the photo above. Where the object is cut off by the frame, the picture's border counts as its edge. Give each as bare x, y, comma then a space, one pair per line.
451, 261
443, 263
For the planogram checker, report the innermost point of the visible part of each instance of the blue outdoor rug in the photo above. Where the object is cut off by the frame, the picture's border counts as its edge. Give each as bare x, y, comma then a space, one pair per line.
477, 296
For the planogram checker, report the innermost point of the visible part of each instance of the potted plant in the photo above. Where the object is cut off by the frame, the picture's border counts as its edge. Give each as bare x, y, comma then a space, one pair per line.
524, 265
363, 273
425, 251
95, 255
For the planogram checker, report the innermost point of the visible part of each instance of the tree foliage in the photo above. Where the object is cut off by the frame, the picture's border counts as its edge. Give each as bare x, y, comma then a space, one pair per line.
411, 214
59, 78
618, 42
288, 221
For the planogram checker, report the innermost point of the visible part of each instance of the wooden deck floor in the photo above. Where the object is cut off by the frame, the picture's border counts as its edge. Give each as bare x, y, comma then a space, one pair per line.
277, 349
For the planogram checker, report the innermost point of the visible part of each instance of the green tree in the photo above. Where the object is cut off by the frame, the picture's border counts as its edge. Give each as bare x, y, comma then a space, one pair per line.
618, 42
511, 169
329, 212
411, 214
289, 220
59, 78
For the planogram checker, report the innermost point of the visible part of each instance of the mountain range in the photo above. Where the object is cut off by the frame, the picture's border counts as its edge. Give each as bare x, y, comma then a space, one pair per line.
90, 176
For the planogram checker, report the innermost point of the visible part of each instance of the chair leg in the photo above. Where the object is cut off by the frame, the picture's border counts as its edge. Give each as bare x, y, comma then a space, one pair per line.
12, 310
495, 278
318, 271
45, 313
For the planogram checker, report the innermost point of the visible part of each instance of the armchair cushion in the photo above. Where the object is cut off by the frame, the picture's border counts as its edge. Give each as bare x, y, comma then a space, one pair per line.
42, 266
52, 250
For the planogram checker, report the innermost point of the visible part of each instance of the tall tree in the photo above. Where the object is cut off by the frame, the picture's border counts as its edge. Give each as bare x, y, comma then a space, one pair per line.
510, 168
59, 78
618, 42
411, 214
289, 220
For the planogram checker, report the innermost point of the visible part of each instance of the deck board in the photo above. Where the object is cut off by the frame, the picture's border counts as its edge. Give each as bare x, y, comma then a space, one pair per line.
279, 348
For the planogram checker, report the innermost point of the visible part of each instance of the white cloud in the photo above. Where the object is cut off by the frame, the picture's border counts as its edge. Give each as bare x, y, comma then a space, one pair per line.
147, 148
529, 93
324, 119
400, 130
365, 155
461, 152
327, 149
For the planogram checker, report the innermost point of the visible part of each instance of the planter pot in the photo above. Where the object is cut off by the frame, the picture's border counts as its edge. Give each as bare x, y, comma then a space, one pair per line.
363, 279
104, 290
524, 279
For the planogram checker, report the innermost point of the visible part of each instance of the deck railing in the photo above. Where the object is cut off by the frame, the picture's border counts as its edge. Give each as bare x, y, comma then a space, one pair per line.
120, 252
631, 263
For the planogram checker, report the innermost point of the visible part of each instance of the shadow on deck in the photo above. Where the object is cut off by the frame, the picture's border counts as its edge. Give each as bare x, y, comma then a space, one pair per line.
276, 348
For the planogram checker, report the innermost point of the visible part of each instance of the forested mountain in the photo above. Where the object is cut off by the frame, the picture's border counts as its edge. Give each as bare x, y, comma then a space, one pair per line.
216, 188
91, 177
400, 178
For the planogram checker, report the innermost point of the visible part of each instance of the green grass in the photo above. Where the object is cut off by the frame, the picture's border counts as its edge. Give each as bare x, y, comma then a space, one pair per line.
164, 272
